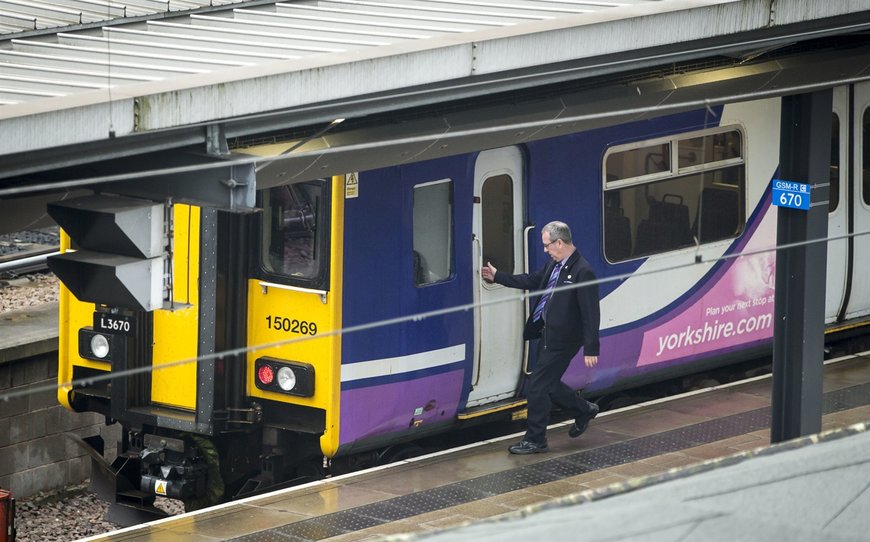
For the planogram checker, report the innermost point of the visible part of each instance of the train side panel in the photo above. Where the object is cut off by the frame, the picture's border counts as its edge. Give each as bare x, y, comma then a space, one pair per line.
652, 320
407, 377
663, 318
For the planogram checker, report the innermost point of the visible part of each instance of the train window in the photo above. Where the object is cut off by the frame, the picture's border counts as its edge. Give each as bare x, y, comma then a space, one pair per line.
709, 149
433, 232
497, 216
865, 157
701, 200
294, 241
639, 162
834, 194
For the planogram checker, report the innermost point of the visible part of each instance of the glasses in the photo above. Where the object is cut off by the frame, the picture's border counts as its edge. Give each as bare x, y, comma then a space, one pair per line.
547, 245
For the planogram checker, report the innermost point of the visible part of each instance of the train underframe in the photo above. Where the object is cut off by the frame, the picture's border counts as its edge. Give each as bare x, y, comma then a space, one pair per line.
198, 470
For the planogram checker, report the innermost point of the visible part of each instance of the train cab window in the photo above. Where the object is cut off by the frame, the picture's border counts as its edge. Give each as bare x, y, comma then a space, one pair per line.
834, 194
699, 198
433, 232
497, 217
295, 230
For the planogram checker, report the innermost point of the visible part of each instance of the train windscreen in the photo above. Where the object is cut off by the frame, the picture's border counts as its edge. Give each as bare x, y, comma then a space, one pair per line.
295, 243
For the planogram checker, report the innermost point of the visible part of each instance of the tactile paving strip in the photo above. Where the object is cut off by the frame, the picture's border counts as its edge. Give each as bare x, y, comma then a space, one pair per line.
549, 470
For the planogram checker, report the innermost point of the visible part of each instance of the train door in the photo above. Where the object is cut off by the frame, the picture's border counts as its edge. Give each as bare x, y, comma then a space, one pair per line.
859, 298
497, 238
838, 215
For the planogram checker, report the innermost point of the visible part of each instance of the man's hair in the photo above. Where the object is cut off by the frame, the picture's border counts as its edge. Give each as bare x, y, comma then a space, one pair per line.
558, 230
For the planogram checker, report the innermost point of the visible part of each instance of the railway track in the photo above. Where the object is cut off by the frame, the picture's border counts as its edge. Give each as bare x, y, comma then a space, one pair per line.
31, 261
26, 252
24, 278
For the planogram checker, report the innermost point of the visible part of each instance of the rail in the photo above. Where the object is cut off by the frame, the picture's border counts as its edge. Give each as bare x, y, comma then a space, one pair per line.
28, 261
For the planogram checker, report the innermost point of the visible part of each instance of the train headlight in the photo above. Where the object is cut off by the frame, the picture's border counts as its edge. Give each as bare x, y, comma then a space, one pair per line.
286, 378
290, 377
100, 346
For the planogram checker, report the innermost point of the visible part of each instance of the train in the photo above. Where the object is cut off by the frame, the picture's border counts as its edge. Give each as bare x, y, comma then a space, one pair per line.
346, 315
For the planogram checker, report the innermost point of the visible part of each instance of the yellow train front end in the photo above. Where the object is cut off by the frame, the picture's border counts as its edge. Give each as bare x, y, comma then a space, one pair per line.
293, 318
212, 341
86, 355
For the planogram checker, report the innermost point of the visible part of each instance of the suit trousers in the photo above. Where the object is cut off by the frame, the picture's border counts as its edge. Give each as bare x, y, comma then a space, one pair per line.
546, 388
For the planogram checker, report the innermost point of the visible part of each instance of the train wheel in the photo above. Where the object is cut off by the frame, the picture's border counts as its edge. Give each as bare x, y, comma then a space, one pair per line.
399, 452
214, 490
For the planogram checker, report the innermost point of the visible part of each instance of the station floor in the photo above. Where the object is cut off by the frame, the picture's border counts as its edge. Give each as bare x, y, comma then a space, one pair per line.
692, 467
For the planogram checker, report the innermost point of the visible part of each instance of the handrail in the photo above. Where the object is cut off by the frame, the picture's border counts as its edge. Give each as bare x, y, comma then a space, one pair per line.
526, 232
478, 255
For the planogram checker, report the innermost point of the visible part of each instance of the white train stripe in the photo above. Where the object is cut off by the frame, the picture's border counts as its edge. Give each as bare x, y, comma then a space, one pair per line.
402, 364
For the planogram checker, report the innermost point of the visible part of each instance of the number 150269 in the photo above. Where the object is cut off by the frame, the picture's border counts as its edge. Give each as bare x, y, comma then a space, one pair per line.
291, 325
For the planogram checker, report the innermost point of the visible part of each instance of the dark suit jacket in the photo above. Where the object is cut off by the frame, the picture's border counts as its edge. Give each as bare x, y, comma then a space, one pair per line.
572, 315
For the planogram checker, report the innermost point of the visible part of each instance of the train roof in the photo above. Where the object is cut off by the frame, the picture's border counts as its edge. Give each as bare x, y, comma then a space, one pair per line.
94, 81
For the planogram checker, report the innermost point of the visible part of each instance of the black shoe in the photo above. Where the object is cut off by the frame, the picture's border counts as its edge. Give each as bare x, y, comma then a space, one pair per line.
582, 422
526, 447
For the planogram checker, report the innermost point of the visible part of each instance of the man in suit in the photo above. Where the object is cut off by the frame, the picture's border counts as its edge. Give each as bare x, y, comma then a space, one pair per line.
564, 319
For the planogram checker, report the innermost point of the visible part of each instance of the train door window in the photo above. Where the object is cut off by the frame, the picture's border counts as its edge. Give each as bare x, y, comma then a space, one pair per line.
865, 157
699, 197
834, 194
433, 232
497, 219
295, 230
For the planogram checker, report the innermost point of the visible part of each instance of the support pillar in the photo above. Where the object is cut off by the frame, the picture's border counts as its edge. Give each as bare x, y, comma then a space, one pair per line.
799, 310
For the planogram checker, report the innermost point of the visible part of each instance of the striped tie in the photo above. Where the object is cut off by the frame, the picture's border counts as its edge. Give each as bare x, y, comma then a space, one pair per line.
550, 285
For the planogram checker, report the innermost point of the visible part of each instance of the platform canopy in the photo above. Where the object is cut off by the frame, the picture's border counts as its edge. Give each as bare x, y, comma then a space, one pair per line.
98, 90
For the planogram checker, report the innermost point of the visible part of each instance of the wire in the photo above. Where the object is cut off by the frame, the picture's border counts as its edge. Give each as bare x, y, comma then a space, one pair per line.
235, 352
430, 137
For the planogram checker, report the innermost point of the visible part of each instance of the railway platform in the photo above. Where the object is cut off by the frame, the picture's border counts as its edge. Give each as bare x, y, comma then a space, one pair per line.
691, 467
810, 489
27, 333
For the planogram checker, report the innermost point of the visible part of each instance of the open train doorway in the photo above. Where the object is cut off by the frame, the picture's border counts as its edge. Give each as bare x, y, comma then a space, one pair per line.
858, 302
498, 237
848, 287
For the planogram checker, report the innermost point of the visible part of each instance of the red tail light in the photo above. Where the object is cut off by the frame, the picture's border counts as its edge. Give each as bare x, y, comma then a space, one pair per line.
265, 374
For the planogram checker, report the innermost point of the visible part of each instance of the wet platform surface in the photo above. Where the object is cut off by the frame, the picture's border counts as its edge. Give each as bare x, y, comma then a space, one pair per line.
810, 489
625, 449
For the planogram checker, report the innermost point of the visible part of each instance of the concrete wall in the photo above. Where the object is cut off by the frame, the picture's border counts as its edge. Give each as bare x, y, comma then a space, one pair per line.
35, 455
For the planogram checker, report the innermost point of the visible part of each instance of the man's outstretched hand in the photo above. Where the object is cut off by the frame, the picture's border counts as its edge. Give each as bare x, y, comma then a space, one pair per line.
488, 272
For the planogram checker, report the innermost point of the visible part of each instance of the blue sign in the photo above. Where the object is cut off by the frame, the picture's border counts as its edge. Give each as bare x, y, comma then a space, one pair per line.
791, 194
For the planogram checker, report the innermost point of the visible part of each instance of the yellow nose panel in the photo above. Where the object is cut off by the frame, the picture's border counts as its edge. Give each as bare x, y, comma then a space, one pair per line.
176, 330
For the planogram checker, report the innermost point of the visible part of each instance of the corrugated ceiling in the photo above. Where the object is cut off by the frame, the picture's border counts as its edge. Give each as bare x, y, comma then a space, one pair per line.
76, 59
25, 15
